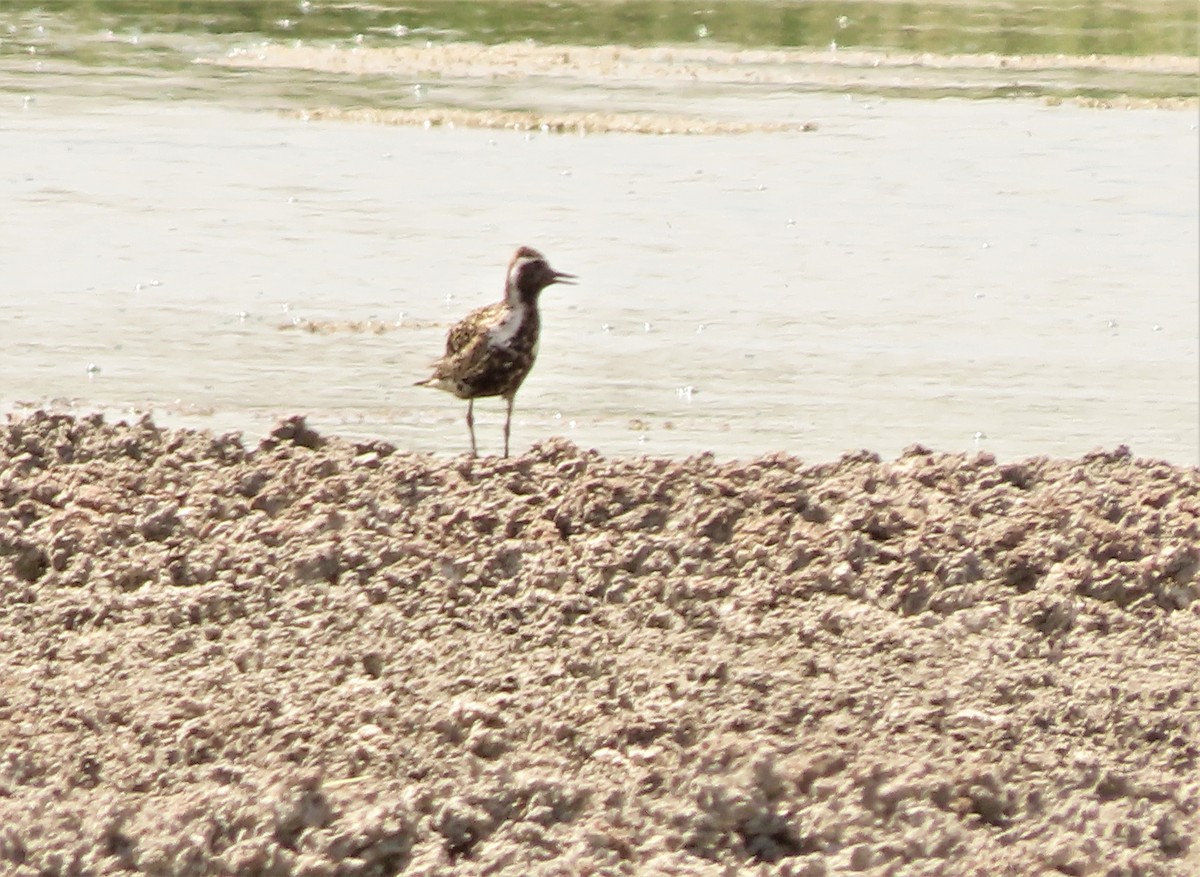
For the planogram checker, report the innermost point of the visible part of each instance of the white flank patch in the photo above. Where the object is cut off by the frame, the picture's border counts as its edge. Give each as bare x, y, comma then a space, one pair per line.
502, 335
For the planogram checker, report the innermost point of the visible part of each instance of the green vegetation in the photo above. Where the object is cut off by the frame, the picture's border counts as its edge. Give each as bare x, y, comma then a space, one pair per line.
147, 49
1021, 27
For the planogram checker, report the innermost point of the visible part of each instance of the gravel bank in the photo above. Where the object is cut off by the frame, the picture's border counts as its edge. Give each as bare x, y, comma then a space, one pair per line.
321, 658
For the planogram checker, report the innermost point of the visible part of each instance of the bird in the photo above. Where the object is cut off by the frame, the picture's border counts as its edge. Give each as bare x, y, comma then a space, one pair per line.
491, 350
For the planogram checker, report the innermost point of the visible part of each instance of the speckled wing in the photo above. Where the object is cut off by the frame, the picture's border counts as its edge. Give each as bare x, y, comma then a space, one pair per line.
472, 327
466, 341
474, 366
484, 369
463, 349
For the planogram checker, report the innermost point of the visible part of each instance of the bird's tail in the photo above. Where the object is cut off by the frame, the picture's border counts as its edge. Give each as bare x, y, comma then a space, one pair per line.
437, 382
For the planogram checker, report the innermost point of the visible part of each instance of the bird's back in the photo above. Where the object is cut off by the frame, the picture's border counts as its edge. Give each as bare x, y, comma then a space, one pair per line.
489, 352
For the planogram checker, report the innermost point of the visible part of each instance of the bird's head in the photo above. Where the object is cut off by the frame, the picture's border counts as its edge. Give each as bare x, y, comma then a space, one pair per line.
528, 274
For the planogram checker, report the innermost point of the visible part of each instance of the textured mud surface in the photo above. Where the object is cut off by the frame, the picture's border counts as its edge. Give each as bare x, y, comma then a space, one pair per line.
696, 64
577, 88
320, 658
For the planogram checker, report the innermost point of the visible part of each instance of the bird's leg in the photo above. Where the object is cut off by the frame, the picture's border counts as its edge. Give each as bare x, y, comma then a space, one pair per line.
471, 424
507, 422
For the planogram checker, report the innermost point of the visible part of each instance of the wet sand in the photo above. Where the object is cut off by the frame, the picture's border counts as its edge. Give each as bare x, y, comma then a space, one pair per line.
314, 656
532, 69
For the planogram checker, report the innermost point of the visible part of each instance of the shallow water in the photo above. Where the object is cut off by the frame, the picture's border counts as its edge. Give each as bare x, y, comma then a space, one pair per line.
1029, 273
1006, 275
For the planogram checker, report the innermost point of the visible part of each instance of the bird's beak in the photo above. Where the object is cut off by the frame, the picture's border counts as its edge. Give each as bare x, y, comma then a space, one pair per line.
563, 277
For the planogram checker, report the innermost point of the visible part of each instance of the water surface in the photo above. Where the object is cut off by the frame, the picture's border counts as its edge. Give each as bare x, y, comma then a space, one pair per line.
1005, 274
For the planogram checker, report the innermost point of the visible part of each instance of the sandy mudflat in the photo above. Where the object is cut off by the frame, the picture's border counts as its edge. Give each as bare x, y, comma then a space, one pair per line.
560, 73
693, 63
319, 658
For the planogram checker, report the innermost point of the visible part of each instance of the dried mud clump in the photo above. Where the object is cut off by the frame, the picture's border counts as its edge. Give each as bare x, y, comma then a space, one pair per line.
325, 658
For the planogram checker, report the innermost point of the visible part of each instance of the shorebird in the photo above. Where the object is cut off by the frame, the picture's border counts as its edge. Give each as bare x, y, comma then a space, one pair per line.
491, 350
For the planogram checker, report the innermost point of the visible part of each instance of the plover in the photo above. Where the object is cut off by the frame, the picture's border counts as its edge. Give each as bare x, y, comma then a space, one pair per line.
491, 350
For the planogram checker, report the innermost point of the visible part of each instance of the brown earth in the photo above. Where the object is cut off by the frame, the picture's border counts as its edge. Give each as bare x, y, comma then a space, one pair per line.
322, 658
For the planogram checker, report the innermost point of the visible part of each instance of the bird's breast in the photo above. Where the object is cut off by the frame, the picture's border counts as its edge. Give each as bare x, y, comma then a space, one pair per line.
518, 330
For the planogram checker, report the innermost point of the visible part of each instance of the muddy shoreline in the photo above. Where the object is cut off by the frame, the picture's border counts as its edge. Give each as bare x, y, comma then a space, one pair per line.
582, 88
311, 656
